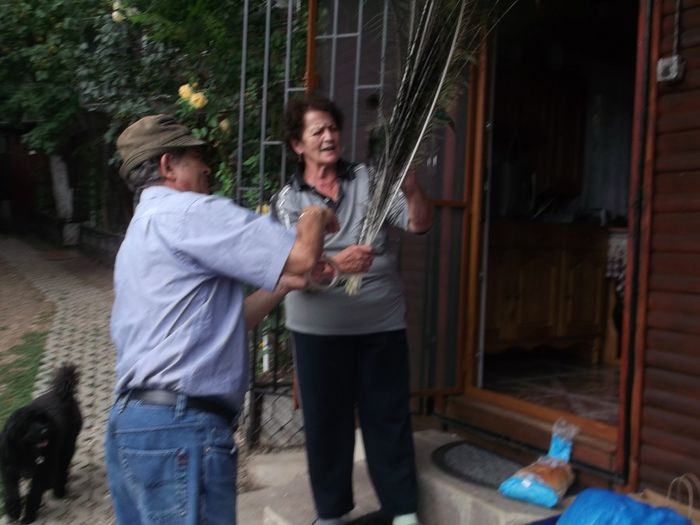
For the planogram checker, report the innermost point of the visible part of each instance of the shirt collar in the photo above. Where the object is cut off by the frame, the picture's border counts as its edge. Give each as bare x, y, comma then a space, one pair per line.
344, 169
155, 191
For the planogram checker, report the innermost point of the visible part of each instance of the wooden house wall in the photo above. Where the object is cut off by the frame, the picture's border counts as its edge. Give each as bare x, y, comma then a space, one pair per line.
669, 438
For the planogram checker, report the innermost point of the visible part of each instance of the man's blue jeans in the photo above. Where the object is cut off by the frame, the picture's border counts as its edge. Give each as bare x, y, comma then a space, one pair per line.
170, 465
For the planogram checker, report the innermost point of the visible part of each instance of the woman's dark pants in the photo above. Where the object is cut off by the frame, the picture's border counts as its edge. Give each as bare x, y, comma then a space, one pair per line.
370, 372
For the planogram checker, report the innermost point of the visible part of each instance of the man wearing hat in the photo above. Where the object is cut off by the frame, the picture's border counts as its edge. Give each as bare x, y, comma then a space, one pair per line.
179, 325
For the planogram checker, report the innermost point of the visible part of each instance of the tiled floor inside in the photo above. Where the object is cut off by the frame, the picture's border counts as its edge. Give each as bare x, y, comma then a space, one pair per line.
554, 378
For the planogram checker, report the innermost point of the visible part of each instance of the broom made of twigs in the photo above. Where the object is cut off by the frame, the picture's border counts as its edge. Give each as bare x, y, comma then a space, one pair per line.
444, 37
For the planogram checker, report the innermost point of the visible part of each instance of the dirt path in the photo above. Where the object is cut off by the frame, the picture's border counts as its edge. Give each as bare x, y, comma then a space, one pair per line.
23, 309
68, 296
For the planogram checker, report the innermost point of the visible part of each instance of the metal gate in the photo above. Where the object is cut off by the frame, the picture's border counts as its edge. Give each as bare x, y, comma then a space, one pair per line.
270, 416
345, 43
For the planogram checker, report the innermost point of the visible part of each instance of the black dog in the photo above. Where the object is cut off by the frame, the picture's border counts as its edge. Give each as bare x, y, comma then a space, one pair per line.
38, 442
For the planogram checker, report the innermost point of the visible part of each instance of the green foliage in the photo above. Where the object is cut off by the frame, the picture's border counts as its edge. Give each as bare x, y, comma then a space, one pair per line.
141, 64
17, 376
39, 42
62, 61
19, 371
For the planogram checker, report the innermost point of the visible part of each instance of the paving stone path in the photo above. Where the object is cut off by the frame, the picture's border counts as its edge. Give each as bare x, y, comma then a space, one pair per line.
79, 333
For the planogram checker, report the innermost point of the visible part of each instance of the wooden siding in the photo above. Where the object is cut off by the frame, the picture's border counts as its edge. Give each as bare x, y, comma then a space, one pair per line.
669, 438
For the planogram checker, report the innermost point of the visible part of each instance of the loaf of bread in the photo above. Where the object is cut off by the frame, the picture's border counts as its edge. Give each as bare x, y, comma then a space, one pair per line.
555, 473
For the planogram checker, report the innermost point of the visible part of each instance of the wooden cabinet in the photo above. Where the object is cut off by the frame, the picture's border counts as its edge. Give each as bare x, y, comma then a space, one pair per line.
583, 293
546, 285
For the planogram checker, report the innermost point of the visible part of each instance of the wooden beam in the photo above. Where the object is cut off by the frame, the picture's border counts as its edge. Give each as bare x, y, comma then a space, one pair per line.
642, 174
476, 201
310, 77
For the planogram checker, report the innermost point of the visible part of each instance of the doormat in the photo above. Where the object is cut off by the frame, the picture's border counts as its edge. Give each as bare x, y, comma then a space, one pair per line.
474, 464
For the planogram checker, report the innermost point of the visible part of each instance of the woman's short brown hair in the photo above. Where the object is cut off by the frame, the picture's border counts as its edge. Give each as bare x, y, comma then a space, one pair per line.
293, 120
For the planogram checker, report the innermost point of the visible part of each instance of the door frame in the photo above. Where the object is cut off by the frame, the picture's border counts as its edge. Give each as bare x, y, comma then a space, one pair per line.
623, 437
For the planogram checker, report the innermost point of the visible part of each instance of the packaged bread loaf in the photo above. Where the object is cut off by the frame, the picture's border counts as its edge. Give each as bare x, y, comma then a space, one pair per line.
545, 481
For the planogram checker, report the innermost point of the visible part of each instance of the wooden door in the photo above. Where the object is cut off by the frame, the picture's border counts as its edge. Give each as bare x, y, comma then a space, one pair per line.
502, 414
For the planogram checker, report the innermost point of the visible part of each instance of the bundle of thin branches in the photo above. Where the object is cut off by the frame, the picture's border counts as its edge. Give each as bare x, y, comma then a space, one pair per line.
444, 37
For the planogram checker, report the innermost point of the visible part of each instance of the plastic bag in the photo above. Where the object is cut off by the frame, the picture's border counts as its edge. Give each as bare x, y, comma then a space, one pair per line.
684, 486
562, 442
605, 507
545, 481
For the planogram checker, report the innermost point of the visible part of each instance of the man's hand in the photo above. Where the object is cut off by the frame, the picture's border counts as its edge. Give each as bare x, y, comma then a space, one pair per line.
328, 218
314, 222
289, 282
322, 272
356, 258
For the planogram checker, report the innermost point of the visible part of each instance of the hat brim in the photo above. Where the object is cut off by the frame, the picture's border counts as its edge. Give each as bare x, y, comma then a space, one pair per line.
186, 141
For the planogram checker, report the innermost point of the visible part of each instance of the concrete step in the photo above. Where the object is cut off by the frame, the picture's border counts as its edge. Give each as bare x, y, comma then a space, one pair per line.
446, 500
282, 481
442, 498
294, 504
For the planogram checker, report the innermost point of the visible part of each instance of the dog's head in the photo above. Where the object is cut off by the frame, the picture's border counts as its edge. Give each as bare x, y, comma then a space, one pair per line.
28, 437
36, 435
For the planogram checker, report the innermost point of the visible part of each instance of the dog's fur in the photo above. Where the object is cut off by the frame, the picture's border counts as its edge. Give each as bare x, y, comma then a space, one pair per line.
38, 442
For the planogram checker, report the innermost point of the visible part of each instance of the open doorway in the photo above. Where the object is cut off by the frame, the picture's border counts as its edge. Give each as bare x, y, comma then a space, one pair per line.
562, 95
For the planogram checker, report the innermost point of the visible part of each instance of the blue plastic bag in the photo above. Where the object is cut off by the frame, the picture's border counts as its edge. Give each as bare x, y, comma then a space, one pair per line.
605, 507
545, 481
529, 489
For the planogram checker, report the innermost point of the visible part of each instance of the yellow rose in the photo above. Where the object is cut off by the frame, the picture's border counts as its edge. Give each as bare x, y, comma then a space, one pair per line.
225, 125
198, 100
185, 91
118, 17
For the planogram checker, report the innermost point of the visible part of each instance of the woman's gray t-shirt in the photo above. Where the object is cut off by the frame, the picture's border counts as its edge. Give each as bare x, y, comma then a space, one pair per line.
380, 304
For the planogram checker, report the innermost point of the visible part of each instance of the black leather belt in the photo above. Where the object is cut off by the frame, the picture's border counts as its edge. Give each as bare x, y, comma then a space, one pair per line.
167, 397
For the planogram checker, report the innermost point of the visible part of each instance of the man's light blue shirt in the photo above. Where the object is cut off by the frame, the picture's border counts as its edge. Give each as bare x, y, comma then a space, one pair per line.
177, 320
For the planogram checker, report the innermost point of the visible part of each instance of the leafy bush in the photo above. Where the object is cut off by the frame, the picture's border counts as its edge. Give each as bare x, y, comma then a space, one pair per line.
64, 61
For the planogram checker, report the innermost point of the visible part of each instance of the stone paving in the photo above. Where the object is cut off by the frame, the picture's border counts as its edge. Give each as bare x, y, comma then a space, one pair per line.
79, 333
81, 293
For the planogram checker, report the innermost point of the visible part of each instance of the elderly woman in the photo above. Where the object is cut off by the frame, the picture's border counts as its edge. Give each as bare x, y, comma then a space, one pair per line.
350, 351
